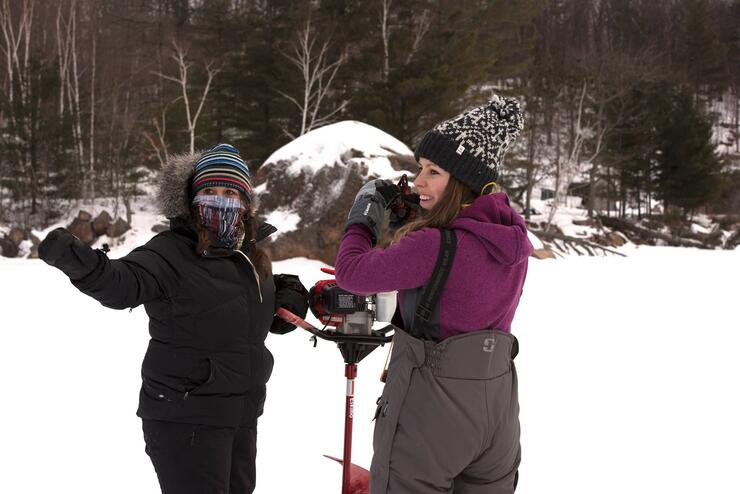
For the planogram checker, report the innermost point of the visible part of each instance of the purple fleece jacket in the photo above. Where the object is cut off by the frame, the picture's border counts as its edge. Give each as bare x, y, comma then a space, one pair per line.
485, 284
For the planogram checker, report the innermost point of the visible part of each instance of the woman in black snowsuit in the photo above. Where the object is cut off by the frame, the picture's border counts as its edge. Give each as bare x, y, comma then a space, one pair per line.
211, 298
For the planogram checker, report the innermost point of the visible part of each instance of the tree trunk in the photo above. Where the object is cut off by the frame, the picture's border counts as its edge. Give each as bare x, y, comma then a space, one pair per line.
591, 190
91, 150
530, 167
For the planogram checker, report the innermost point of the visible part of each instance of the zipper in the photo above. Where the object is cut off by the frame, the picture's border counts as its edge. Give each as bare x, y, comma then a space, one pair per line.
256, 276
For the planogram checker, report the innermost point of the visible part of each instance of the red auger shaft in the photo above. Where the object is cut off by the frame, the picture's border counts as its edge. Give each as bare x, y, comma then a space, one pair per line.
350, 371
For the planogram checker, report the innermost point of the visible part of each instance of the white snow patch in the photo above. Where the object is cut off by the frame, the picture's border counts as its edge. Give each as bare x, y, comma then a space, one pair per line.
536, 242
260, 188
697, 228
285, 220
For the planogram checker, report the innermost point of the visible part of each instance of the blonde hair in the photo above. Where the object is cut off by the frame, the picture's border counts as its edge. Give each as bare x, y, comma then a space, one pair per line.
456, 196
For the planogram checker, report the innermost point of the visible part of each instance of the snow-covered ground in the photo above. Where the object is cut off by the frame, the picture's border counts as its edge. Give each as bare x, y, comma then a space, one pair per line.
629, 377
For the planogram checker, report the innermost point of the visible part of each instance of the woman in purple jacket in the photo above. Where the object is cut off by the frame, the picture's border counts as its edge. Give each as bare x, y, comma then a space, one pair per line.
448, 419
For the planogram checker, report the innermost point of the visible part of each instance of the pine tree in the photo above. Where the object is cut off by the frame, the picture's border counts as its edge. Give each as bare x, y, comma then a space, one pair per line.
689, 171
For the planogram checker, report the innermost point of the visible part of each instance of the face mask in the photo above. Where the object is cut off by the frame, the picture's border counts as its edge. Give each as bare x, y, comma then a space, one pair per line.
222, 216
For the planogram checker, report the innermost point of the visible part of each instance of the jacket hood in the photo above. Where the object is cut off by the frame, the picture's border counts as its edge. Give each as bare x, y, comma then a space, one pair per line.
498, 227
173, 195
173, 186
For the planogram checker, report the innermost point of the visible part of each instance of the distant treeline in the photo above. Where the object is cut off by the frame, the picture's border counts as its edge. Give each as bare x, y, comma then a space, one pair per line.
93, 93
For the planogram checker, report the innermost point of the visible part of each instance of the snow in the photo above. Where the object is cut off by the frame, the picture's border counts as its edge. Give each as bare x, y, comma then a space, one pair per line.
696, 228
285, 220
335, 143
563, 218
627, 378
535, 241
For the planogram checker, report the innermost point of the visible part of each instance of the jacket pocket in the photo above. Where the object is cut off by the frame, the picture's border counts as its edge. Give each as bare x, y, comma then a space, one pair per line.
157, 391
211, 373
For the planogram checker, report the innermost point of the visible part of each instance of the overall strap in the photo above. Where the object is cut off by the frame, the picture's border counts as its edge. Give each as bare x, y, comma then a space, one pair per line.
432, 290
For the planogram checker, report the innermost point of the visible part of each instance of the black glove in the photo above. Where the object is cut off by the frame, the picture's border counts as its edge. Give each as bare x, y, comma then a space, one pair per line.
68, 253
406, 208
370, 204
291, 295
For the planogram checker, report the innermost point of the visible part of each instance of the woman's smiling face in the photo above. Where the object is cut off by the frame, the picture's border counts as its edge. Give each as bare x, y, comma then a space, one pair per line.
431, 183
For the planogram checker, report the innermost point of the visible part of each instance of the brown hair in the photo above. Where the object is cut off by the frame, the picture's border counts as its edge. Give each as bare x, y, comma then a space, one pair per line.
456, 196
260, 258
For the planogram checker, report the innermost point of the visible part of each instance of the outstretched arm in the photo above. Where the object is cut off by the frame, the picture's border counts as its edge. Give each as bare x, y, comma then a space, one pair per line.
140, 277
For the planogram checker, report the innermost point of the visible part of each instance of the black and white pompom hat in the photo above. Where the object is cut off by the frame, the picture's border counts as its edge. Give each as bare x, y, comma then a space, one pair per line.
471, 146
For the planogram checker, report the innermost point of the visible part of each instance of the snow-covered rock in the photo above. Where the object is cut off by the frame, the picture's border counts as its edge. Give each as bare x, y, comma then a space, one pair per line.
307, 187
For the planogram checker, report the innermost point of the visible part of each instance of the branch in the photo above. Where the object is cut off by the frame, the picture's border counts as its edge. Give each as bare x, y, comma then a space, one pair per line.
327, 118
211, 75
155, 147
550, 236
622, 225
422, 27
290, 98
167, 77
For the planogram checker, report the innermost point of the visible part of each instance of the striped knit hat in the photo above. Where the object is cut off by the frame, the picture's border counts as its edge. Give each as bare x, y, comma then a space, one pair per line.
471, 146
221, 166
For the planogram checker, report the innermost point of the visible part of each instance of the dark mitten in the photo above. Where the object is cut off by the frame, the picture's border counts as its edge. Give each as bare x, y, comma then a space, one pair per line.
68, 253
291, 295
370, 205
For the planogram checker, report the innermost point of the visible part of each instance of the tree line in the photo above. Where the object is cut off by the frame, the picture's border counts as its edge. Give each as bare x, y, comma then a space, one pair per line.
627, 99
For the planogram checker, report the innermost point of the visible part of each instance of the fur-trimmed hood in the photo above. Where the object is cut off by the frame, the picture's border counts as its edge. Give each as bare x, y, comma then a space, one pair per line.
173, 186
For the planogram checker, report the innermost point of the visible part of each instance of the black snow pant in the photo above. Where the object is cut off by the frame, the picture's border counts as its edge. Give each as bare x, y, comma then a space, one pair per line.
448, 419
193, 458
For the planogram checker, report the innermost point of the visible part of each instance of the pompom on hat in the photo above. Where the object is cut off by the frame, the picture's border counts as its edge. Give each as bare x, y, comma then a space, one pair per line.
472, 145
222, 166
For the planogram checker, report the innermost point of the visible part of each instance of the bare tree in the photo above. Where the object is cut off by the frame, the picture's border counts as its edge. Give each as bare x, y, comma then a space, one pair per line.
123, 120
421, 24
318, 75
159, 142
91, 145
71, 72
572, 166
180, 57
16, 48
15, 45
385, 34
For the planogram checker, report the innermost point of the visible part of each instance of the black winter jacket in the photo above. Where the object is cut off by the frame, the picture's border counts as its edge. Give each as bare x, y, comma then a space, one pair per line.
208, 320
209, 314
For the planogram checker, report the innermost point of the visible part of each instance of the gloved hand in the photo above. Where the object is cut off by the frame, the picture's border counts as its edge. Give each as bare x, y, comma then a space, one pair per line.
68, 253
370, 205
404, 209
291, 295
